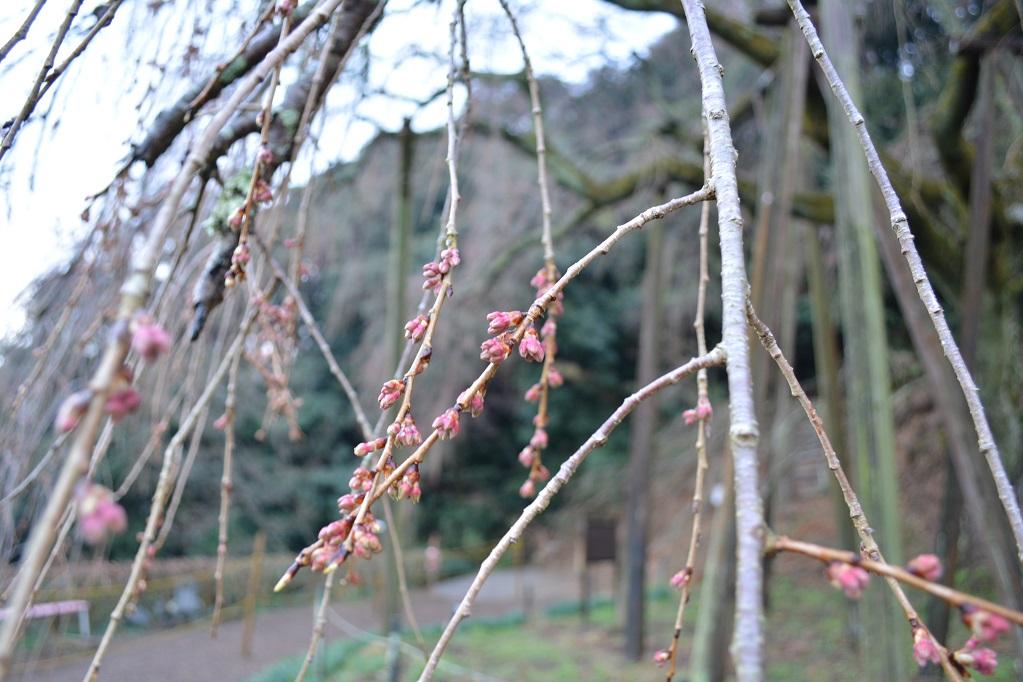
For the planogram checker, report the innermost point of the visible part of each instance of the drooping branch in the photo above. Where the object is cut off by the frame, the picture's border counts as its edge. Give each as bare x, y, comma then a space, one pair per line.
748, 638
900, 224
544, 497
22, 31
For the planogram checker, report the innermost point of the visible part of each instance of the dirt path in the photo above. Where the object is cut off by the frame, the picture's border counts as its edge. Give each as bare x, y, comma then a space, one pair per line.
187, 654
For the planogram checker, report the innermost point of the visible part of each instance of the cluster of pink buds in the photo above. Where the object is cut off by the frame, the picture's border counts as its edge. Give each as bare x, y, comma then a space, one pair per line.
406, 433
408, 486
926, 566
981, 659
530, 347
148, 338
447, 423
925, 649
985, 626
852, 580
123, 399
98, 514
366, 538
390, 392
496, 349
501, 321
434, 271
331, 536
363, 449
361, 481
702, 412
415, 329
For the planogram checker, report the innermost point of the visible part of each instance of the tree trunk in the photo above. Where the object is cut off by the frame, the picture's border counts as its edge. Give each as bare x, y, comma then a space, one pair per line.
641, 433
867, 379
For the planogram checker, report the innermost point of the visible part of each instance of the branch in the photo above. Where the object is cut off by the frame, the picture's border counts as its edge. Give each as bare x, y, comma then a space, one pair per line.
953, 597
22, 31
543, 499
748, 637
900, 225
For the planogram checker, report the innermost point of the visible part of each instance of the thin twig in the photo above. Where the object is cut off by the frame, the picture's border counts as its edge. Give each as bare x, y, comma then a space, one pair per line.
319, 624
543, 499
399, 564
900, 224
22, 31
225, 494
702, 398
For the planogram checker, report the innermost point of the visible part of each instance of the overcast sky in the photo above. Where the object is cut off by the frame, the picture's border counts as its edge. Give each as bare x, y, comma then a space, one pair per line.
43, 194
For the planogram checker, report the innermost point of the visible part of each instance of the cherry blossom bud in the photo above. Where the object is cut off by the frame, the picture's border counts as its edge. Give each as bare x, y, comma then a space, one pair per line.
71, 410
148, 338
542, 474
416, 493
122, 403
527, 489
924, 648
984, 661
415, 328
286, 6
450, 258
530, 347
539, 279
221, 422
363, 449
265, 156
527, 456
408, 434
236, 218
850, 579
447, 423
432, 276
661, 656
539, 439
986, 626
501, 321
495, 349
261, 192
347, 502
98, 514
680, 579
549, 328
241, 255
926, 566
554, 378
533, 394
476, 404
390, 392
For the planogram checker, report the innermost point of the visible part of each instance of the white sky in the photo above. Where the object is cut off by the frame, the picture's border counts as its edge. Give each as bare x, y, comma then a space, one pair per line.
43, 195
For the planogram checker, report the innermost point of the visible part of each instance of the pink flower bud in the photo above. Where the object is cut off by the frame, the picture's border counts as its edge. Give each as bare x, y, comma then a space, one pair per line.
549, 328
432, 276
501, 321
347, 502
447, 423
984, 661
236, 218
450, 258
390, 392
415, 328
542, 474
71, 410
527, 456
286, 6
98, 514
986, 626
539, 279
149, 339
527, 489
122, 403
925, 650
265, 156
261, 192
476, 404
495, 349
242, 255
530, 347
661, 656
533, 394
852, 580
416, 494
408, 434
363, 449
554, 378
926, 566
680, 579
539, 439
221, 422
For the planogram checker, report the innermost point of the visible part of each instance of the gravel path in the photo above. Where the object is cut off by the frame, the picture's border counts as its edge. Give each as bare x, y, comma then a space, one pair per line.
187, 654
